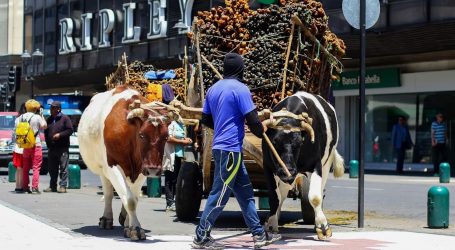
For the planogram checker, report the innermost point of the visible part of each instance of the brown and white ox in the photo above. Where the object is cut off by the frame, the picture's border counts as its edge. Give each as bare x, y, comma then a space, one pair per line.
122, 141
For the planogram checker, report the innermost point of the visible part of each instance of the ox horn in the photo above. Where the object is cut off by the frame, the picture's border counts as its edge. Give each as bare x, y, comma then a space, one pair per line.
137, 112
307, 127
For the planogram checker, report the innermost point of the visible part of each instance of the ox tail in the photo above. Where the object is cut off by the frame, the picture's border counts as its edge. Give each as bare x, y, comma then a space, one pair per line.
338, 164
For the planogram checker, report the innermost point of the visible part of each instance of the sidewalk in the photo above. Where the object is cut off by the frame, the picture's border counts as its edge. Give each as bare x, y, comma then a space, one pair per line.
19, 231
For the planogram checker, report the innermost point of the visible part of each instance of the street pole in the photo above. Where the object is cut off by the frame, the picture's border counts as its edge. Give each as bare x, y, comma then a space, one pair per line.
33, 94
362, 114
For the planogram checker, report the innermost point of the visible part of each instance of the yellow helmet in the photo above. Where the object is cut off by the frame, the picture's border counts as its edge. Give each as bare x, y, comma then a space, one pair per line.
32, 105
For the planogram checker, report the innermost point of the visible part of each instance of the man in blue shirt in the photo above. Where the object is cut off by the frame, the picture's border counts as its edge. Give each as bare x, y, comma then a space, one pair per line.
401, 140
438, 142
228, 104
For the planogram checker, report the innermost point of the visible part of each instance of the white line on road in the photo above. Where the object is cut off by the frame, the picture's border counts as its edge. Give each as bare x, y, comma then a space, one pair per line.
372, 189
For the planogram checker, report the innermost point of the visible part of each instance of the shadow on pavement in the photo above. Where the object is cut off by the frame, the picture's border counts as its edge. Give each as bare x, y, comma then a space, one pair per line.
116, 233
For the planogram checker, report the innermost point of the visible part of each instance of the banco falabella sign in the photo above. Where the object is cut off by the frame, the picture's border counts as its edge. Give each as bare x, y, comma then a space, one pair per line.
158, 26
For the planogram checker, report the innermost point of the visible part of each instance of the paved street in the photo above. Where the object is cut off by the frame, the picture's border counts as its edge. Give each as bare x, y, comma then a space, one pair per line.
392, 203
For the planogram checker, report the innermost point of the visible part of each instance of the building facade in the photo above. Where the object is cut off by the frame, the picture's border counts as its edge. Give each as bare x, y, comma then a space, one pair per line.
82, 40
11, 27
410, 73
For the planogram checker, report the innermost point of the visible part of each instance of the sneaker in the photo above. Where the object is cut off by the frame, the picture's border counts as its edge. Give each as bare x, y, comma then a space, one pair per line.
207, 243
61, 190
19, 190
27, 190
35, 191
170, 208
265, 239
49, 190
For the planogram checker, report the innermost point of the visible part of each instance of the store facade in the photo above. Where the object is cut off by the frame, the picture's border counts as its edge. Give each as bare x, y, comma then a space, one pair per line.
390, 94
82, 40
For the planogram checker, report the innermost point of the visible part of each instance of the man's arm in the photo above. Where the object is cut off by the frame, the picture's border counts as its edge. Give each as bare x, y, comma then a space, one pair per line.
207, 120
67, 127
254, 124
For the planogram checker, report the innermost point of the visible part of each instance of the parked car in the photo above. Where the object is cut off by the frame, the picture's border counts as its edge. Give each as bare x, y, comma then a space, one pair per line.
7, 144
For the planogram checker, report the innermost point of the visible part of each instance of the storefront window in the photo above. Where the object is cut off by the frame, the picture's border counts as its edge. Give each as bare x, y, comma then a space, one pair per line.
382, 112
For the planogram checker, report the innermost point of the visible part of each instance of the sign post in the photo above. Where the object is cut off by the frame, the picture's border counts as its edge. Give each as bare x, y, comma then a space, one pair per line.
361, 14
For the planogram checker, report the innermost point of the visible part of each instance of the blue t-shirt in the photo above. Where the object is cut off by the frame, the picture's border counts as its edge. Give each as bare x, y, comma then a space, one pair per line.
228, 101
439, 131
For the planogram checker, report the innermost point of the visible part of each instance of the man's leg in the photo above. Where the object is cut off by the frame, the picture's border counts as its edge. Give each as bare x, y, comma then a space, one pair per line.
224, 177
435, 158
168, 188
243, 191
175, 174
63, 163
52, 163
400, 159
444, 152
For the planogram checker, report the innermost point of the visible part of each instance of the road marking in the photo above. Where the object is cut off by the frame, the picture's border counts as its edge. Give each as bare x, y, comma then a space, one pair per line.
372, 189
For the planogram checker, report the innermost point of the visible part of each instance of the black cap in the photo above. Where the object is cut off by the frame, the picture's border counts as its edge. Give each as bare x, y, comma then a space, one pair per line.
56, 104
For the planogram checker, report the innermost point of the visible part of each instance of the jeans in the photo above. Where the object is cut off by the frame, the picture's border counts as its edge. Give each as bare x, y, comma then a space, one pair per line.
32, 159
439, 156
170, 181
58, 163
230, 176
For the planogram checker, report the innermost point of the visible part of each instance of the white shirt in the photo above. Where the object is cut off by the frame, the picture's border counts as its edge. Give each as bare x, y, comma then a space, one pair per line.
36, 123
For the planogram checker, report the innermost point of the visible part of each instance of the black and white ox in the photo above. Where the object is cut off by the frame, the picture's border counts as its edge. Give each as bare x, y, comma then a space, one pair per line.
302, 156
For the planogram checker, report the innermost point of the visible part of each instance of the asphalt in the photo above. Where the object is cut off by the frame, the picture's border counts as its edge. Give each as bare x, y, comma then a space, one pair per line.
70, 220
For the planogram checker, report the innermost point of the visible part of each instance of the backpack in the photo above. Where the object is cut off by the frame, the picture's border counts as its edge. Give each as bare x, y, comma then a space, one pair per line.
25, 138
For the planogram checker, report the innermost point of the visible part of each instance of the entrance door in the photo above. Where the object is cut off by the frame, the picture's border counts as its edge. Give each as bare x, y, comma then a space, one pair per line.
432, 104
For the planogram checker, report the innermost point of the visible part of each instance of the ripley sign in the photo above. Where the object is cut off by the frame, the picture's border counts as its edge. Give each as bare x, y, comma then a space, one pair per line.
131, 34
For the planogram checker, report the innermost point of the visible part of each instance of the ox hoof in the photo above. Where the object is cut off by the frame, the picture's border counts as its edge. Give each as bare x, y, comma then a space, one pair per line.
324, 232
136, 234
106, 223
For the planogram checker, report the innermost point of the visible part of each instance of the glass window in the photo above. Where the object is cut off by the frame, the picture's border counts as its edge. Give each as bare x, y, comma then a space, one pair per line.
382, 113
419, 110
403, 12
92, 7
337, 22
50, 35
28, 26
429, 105
442, 10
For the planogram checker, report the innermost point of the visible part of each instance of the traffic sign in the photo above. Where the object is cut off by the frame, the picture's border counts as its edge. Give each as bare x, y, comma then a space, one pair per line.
351, 11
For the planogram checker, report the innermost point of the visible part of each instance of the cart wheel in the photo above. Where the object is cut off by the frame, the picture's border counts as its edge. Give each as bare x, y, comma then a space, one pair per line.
188, 191
307, 209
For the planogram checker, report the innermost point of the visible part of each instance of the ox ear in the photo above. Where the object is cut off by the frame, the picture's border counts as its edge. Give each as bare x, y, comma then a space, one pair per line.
136, 113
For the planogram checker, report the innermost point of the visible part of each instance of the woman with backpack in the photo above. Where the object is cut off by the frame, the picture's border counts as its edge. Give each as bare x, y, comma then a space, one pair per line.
17, 155
28, 126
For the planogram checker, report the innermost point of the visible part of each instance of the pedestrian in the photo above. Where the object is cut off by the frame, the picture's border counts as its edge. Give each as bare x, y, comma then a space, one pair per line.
227, 105
33, 155
173, 152
17, 155
438, 142
401, 140
57, 134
